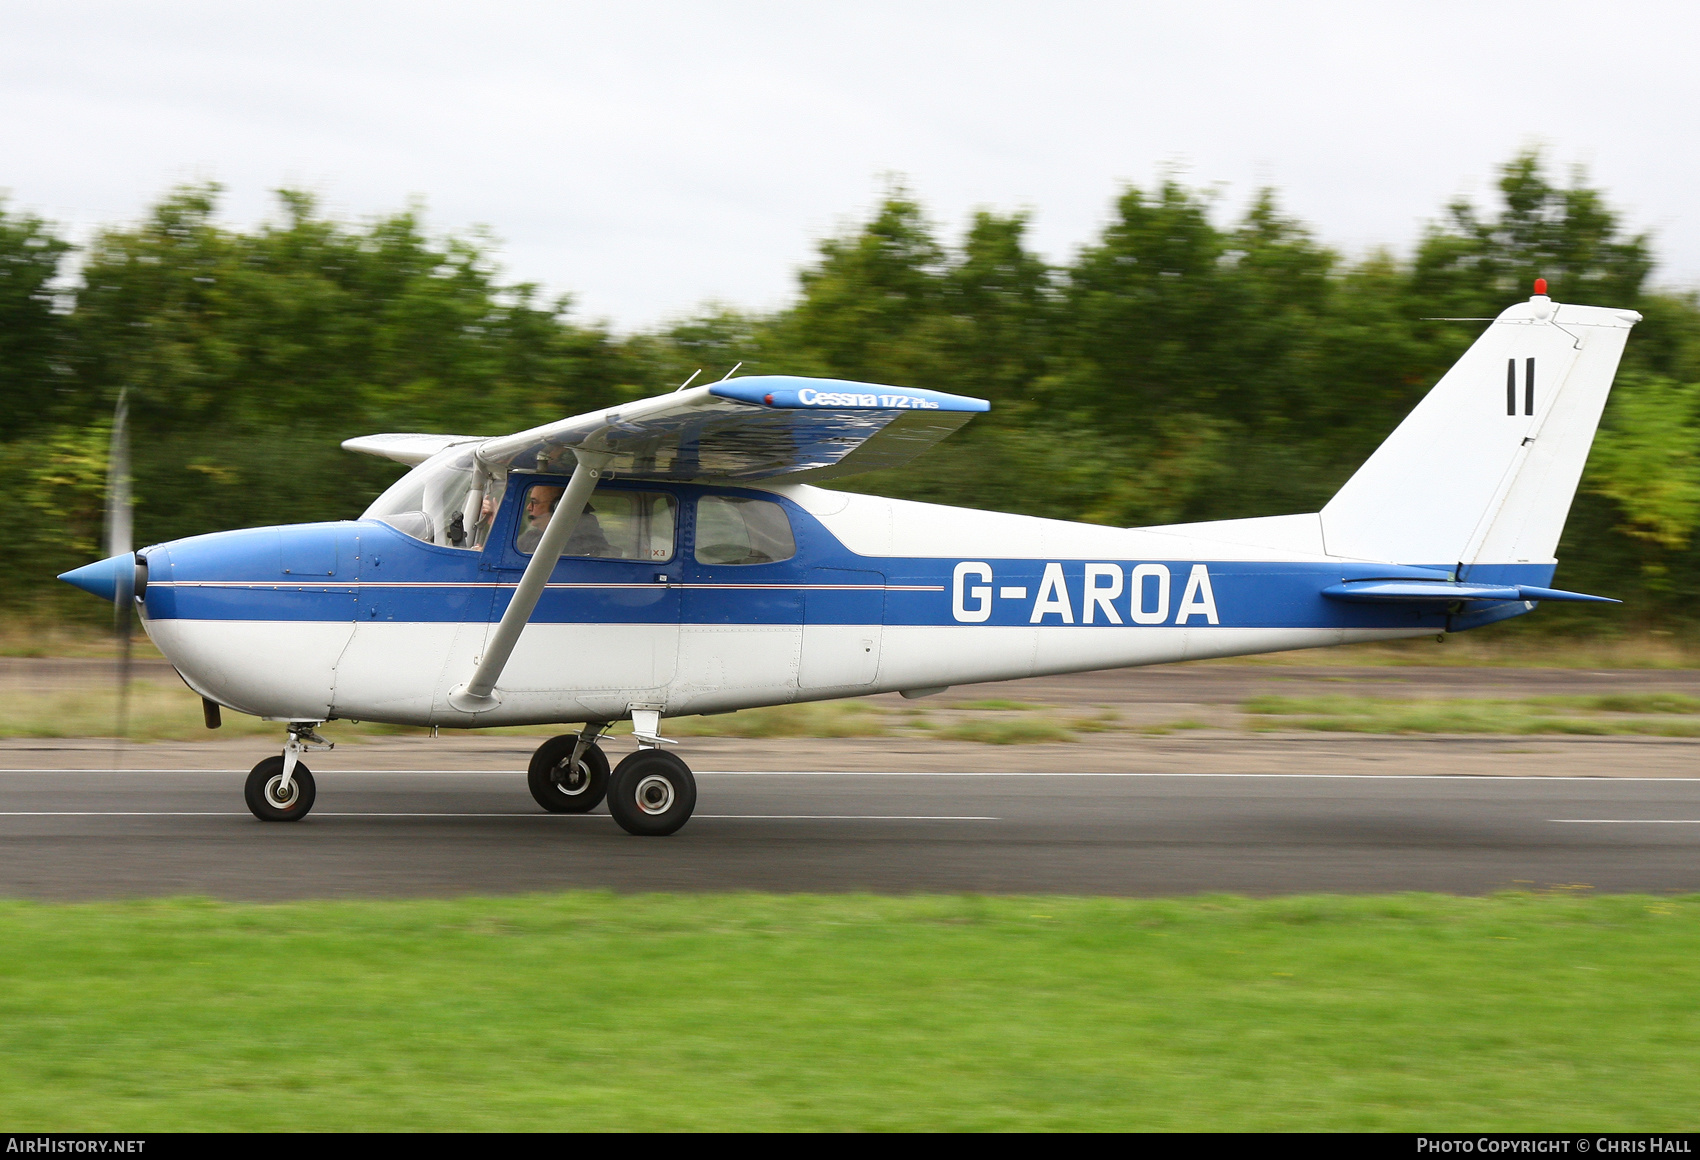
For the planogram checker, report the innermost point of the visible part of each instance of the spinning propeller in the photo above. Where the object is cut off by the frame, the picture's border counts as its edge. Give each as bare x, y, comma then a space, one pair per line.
122, 577
120, 549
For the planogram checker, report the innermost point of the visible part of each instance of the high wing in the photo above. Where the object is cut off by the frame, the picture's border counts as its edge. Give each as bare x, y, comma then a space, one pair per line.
405, 447
737, 430
732, 431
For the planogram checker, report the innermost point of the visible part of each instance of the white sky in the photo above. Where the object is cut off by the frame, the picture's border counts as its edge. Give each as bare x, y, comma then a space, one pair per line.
649, 156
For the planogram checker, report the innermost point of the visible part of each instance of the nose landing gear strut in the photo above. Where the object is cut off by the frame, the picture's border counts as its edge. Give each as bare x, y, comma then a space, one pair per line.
281, 789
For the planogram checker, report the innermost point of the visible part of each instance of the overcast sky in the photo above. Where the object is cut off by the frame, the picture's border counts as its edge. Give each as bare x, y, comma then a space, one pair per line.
649, 156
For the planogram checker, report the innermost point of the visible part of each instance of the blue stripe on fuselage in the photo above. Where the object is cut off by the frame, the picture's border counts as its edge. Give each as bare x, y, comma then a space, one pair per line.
369, 571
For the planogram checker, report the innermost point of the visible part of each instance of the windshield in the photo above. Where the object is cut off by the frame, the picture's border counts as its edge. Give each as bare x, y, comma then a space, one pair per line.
449, 500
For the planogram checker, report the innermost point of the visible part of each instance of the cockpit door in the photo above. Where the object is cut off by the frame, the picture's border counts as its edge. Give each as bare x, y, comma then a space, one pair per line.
608, 622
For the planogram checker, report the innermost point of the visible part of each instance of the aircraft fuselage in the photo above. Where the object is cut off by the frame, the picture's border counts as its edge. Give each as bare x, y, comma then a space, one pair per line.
358, 620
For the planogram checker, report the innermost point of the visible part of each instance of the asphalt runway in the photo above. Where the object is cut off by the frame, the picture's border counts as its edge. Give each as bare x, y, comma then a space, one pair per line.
97, 834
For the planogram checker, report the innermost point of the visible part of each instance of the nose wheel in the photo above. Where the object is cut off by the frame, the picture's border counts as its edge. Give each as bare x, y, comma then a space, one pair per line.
272, 799
562, 784
280, 789
652, 793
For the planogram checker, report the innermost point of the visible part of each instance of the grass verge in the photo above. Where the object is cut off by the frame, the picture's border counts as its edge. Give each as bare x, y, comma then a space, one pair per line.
170, 712
1655, 714
591, 1011
1494, 648
811, 719
156, 712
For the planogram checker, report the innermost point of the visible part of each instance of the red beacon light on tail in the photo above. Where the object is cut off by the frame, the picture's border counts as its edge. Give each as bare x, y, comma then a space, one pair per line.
1542, 304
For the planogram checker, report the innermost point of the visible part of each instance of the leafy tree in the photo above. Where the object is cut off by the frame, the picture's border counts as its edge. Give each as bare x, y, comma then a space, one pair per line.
1145, 308
32, 330
1003, 302
249, 357
1471, 264
868, 309
1179, 368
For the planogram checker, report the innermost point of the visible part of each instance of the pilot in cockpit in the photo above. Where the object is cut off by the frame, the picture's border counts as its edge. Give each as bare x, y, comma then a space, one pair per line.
587, 539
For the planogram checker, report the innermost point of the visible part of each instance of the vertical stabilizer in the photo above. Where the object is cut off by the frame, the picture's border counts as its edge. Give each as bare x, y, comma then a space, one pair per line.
1484, 468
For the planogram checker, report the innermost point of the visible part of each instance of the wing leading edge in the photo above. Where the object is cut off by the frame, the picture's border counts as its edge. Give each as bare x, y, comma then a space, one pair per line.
739, 430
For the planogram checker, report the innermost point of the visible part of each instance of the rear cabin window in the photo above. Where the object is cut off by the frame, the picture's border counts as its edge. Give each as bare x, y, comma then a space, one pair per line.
733, 530
616, 525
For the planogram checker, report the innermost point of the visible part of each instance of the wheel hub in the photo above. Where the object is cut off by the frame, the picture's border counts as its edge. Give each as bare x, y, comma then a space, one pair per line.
655, 794
276, 798
572, 780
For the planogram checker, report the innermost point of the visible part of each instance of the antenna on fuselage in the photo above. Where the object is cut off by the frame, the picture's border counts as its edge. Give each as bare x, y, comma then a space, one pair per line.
731, 372
688, 381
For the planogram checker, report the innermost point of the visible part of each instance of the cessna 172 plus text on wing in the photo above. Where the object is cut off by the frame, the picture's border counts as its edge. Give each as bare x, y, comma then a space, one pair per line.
673, 556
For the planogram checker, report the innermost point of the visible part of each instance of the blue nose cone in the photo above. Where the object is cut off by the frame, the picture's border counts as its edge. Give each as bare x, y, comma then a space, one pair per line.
104, 577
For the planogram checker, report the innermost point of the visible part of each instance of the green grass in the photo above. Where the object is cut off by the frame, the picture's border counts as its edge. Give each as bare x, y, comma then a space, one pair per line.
591, 1011
811, 719
1503, 647
159, 712
1622, 703
1609, 714
1164, 727
43, 634
170, 712
156, 712
1006, 730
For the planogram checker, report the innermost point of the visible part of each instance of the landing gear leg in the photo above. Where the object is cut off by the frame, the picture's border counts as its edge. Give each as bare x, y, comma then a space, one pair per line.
569, 774
281, 789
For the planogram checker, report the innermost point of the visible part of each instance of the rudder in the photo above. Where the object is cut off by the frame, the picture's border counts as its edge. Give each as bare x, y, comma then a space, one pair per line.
1484, 469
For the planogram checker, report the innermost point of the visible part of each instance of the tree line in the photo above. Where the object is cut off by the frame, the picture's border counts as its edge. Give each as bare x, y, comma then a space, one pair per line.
1179, 367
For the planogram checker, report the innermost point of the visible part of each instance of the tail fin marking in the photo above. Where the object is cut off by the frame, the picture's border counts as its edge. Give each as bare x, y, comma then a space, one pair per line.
1460, 481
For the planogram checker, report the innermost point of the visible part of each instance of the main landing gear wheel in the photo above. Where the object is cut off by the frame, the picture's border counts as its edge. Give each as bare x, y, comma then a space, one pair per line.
267, 798
564, 790
652, 793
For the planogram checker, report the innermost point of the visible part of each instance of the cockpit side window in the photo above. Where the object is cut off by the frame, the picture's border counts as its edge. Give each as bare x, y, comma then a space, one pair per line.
616, 524
449, 500
735, 530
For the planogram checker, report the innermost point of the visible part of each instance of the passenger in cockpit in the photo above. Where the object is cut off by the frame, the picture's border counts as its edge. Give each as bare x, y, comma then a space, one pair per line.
587, 539
540, 504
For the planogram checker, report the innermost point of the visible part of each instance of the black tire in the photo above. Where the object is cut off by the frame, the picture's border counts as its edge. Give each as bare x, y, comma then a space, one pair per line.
652, 793
559, 790
265, 775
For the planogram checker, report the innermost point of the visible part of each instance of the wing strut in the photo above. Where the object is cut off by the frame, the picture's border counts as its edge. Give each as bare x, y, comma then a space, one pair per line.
478, 694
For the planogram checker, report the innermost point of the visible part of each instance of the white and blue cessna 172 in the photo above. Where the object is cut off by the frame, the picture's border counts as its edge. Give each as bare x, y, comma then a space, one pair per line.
673, 556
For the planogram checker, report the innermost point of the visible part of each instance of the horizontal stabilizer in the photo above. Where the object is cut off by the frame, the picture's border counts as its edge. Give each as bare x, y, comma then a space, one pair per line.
1445, 592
